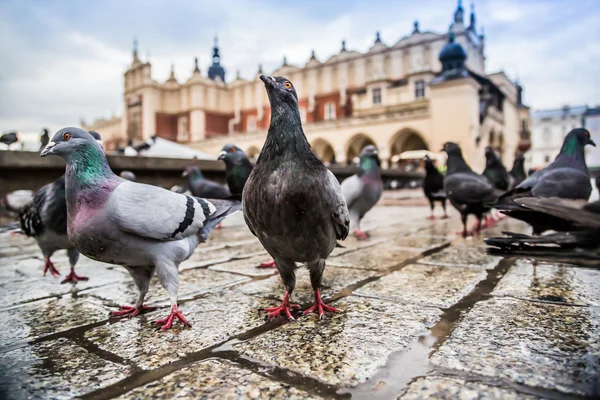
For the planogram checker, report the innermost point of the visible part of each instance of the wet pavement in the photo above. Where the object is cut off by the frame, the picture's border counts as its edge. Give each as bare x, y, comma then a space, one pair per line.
426, 315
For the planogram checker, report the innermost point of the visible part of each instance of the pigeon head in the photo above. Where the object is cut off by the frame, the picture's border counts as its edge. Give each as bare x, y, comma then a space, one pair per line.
428, 162
69, 141
192, 170
280, 90
369, 157
574, 143
452, 148
231, 154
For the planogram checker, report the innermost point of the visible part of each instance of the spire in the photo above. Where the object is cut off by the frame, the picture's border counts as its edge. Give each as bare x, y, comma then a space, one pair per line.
459, 13
472, 20
313, 56
416, 26
284, 61
238, 74
136, 58
260, 70
216, 70
196, 68
343, 45
377, 37
172, 75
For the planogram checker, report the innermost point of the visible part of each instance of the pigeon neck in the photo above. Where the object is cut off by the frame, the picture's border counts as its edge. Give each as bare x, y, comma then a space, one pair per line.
196, 176
369, 167
456, 164
87, 167
572, 153
285, 134
518, 169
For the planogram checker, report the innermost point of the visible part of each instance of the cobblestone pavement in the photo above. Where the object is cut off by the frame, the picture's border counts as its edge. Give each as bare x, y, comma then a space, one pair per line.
426, 315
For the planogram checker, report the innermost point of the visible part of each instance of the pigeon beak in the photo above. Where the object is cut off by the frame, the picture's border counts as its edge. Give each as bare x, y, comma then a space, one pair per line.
223, 153
590, 141
268, 80
185, 173
48, 149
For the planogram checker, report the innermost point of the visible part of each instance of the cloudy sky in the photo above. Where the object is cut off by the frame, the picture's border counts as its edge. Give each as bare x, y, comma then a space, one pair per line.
63, 60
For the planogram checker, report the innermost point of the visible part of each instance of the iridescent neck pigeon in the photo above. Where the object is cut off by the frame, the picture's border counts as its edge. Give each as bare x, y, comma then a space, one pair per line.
363, 190
291, 201
237, 168
106, 223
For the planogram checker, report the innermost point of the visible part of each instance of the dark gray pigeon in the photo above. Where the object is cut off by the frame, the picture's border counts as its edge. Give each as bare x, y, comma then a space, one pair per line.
567, 177
517, 173
363, 190
494, 170
9, 138
237, 168
291, 201
202, 187
45, 219
130, 176
433, 186
106, 223
468, 191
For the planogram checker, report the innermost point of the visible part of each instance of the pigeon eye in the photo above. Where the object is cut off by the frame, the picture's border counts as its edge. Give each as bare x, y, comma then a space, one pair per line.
287, 85
232, 150
66, 136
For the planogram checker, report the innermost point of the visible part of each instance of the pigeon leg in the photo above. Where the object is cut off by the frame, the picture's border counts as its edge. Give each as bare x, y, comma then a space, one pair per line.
267, 264
360, 235
73, 277
316, 276
288, 276
219, 226
141, 276
445, 212
48, 266
465, 232
167, 275
432, 205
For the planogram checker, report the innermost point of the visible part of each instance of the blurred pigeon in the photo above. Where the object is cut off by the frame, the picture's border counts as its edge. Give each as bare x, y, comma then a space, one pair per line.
45, 219
567, 177
576, 237
45, 138
495, 171
106, 223
129, 150
363, 190
15, 201
140, 147
237, 168
468, 191
517, 173
130, 176
292, 202
433, 186
202, 187
181, 190
9, 138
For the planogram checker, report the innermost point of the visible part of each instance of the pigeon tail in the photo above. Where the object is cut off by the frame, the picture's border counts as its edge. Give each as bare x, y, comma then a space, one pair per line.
224, 208
12, 227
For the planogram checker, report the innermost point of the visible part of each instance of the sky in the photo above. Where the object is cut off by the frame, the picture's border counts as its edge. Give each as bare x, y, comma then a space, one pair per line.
63, 60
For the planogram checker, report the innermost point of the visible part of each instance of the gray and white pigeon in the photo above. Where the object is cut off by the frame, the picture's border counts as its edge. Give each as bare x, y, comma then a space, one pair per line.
45, 219
106, 223
363, 190
469, 192
291, 201
567, 177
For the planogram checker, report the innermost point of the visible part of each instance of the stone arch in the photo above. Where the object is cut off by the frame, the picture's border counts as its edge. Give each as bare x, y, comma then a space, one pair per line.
324, 150
253, 152
407, 140
356, 144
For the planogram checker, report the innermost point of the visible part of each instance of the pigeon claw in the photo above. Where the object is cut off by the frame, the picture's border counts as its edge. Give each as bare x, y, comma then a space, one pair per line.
131, 311
167, 322
431, 217
284, 308
445, 216
268, 264
74, 278
219, 226
48, 266
319, 306
360, 235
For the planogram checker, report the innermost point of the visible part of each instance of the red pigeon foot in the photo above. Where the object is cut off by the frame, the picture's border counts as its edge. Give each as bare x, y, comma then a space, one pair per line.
431, 217
48, 266
74, 278
360, 235
168, 321
131, 311
319, 306
219, 226
268, 264
284, 308
445, 216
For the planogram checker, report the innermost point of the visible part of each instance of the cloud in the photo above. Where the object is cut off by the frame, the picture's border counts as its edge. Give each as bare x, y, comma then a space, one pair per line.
65, 60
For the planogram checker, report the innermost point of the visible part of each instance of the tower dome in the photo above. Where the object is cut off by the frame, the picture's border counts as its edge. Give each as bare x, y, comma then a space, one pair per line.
216, 70
453, 55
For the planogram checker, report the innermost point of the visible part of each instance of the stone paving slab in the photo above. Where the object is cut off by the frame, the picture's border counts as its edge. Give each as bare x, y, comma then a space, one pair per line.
462, 256
560, 283
56, 369
435, 387
424, 284
219, 380
247, 266
214, 318
554, 347
345, 349
379, 257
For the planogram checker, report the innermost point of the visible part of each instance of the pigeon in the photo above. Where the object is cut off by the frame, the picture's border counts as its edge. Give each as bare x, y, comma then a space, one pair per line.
9, 138
44, 139
517, 173
363, 190
45, 220
129, 150
468, 191
495, 171
433, 186
130, 176
567, 177
237, 168
202, 187
106, 223
291, 201
576, 236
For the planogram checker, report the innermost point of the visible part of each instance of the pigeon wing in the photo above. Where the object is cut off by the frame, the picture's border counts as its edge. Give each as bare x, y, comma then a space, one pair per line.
567, 183
339, 215
469, 188
352, 188
156, 213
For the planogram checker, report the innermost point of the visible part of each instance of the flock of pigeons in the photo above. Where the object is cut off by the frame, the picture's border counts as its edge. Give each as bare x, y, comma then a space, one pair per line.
291, 202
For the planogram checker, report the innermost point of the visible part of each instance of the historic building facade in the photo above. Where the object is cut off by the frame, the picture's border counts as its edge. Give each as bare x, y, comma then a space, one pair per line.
423, 90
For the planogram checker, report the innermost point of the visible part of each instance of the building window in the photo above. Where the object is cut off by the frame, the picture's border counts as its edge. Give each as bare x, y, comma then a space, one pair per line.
523, 125
329, 111
377, 96
183, 129
251, 124
547, 159
419, 88
303, 115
